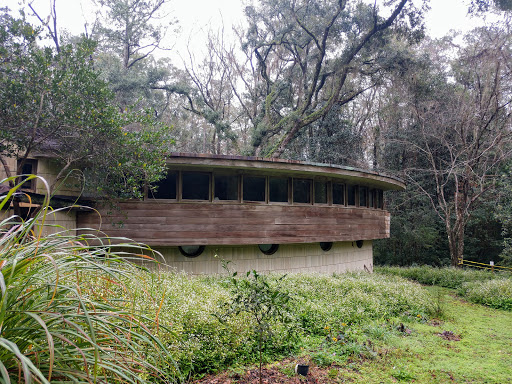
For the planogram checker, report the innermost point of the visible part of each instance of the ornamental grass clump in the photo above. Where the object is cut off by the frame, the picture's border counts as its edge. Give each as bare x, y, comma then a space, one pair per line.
62, 316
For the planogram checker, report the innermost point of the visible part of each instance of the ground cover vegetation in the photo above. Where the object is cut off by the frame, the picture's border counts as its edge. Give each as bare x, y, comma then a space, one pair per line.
482, 287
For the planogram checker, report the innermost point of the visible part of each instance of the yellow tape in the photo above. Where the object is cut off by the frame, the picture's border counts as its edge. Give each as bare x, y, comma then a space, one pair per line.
487, 265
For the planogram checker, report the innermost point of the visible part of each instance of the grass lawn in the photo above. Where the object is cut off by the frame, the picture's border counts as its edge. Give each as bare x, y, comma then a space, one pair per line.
482, 355
469, 343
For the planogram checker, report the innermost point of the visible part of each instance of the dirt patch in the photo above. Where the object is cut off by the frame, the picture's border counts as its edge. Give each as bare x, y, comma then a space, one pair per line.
449, 335
280, 373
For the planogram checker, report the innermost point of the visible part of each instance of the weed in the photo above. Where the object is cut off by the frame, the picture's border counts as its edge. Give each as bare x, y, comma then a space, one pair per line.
402, 374
263, 302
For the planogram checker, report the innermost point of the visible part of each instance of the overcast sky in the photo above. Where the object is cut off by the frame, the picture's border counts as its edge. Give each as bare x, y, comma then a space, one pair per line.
195, 15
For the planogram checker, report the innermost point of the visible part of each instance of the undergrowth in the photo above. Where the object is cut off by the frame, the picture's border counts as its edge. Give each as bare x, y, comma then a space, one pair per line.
493, 289
356, 305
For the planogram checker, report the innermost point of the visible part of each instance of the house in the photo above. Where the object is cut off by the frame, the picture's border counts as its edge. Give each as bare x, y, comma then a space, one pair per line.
263, 214
257, 213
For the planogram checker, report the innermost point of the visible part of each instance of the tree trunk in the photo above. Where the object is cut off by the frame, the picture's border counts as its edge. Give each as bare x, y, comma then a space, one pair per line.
456, 244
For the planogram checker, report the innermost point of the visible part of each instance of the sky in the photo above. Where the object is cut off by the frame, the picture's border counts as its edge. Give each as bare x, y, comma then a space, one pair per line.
195, 15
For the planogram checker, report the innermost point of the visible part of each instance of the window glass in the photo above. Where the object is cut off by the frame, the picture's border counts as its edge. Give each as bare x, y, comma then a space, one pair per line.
301, 191
196, 186
254, 188
320, 192
338, 194
380, 199
278, 189
371, 198
351, 194
363, 196
268, 249
28, 168
226, 187
165, 188
191, 250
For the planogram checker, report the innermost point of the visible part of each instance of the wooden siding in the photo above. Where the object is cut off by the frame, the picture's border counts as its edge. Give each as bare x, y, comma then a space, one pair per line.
169, 223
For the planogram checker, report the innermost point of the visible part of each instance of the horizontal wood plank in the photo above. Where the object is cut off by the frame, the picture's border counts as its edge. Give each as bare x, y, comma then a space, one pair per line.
172, 224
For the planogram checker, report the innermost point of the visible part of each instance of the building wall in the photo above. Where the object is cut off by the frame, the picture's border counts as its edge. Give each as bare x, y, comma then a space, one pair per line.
49, 171
62, 221
289, 258
166, 223
12, 167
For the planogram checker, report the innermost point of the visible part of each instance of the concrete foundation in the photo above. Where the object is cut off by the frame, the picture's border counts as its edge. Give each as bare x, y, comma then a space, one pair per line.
289, 258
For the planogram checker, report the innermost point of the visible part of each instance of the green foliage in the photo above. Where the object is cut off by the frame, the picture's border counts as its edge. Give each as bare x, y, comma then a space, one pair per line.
353, 304
304, 50
264, 301
496, 293
59, 321
353, 299
55, 103
482, 287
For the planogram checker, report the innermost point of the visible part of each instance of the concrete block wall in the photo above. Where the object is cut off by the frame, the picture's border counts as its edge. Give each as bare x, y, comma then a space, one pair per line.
289, 258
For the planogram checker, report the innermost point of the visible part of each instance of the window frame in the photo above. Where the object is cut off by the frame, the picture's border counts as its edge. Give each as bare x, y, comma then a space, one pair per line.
288, 181
311, 197
362, 189
328, 192
345, 197
151, 198
30, 186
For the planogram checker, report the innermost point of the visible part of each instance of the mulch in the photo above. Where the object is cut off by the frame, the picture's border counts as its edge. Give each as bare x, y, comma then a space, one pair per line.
270, 375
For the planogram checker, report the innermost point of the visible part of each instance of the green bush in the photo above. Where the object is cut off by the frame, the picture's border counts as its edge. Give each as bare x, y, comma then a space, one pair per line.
447, 277
476, 286
495, 293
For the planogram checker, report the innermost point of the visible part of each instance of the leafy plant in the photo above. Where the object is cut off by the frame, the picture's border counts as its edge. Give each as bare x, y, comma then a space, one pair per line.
263, 301
59, 318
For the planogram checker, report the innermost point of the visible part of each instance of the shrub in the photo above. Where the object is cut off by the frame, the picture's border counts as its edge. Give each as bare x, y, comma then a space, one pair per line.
482, 287
445, 277
495, 293
60, 322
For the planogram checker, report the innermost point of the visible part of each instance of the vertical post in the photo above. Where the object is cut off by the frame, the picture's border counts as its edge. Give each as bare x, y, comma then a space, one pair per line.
491, 263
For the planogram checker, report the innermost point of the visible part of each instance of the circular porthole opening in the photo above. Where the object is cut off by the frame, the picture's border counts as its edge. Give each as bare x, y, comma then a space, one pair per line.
326, 246
191, 250
268, 249
359, 243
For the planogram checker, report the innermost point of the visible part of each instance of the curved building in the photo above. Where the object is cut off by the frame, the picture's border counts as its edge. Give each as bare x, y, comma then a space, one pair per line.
262, 214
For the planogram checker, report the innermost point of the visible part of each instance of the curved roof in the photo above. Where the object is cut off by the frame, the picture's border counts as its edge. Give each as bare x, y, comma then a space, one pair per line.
288, 167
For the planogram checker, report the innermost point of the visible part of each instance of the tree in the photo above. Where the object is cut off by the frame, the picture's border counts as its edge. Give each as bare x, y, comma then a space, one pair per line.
454, 131
129, 32
55, 103
312, 56
504, 212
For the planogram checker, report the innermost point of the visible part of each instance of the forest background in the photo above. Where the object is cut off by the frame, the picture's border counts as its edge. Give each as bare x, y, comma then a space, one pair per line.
344, 82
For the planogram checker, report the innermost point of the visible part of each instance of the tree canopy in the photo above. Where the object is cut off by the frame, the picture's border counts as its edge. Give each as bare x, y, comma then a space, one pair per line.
55, 103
